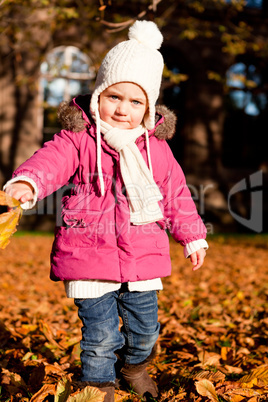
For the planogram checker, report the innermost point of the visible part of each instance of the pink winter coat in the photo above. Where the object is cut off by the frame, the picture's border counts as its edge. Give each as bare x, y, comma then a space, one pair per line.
96, 239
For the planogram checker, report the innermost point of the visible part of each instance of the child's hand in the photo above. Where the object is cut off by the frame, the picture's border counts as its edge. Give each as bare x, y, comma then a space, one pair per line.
197, 258
21, 190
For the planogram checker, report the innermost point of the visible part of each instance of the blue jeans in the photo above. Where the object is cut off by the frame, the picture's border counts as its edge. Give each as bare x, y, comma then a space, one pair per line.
101, 336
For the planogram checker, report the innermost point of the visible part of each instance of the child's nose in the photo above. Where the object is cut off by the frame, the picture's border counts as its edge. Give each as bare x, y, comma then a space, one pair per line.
122, 108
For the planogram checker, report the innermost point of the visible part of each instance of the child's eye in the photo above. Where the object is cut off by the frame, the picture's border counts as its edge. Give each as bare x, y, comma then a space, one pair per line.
114, 97
136, 102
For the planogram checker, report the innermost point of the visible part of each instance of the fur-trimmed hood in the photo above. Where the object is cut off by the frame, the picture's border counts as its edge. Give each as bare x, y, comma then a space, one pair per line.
73, 116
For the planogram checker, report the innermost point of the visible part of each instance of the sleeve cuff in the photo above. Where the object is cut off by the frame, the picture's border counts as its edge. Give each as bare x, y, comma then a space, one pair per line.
28, 204
193, 246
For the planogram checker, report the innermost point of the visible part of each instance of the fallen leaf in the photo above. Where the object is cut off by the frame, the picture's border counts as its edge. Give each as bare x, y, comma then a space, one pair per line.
209, 359
39, 326
236, 398
47, 389
258, 373
227, 353
89, 394
9, 377
244, 392
51, 369
210, 375
231, 369
70, 342
63, 390
46, 330
206, 388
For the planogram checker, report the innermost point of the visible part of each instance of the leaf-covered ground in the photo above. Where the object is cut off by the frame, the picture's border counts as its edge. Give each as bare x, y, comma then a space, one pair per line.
214, 326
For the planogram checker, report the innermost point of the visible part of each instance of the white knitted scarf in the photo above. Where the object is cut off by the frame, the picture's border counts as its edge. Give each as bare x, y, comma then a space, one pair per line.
142, 192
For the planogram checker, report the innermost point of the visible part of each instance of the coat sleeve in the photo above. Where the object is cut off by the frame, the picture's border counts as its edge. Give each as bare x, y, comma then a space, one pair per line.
181, 216
52, 165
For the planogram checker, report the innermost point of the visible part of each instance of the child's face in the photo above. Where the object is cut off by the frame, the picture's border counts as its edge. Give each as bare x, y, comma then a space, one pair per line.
123, 105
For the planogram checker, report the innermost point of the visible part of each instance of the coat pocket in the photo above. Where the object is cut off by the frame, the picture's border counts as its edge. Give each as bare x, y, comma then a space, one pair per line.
79, 230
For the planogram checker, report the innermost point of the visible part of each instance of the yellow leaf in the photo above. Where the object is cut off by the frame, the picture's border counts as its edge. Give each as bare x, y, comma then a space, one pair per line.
25, 329
206, 388
10, 202
10, 219
240, 295
89, 394
259, 373
250, 384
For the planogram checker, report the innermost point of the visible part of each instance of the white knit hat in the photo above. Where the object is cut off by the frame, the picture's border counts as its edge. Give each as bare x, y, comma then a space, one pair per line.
136, 60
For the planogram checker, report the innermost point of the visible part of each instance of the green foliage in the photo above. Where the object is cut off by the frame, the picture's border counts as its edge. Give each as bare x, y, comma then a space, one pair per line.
175, 78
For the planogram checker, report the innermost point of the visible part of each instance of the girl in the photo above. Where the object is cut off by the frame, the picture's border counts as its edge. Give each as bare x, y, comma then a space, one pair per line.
127, 189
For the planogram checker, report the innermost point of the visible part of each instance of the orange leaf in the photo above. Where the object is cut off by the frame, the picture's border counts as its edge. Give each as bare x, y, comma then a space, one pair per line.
237, 398
210, 375
227, 353
244, 392
47, 389
46, 330
52, 369
209, 358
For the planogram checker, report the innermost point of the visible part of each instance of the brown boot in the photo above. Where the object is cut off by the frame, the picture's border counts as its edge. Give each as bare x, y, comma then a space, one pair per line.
139, 380
109, 397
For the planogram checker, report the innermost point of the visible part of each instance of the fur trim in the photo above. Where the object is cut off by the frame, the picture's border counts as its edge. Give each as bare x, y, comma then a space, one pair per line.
167, 129
71, 118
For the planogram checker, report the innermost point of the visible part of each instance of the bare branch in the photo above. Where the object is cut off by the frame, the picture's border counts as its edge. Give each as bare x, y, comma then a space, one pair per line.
119, 26
154, 4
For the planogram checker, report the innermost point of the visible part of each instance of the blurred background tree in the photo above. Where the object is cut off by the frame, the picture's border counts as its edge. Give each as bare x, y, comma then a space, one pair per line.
215, 79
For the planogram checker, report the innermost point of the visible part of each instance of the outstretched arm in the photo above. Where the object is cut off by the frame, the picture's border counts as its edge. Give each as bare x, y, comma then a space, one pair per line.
21, 190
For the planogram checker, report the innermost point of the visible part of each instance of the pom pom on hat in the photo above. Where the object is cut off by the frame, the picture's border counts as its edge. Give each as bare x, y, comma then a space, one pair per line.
146, 33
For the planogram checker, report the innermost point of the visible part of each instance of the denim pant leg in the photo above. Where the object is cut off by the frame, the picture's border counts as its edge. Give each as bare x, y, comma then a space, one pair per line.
138, 311
100, 337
